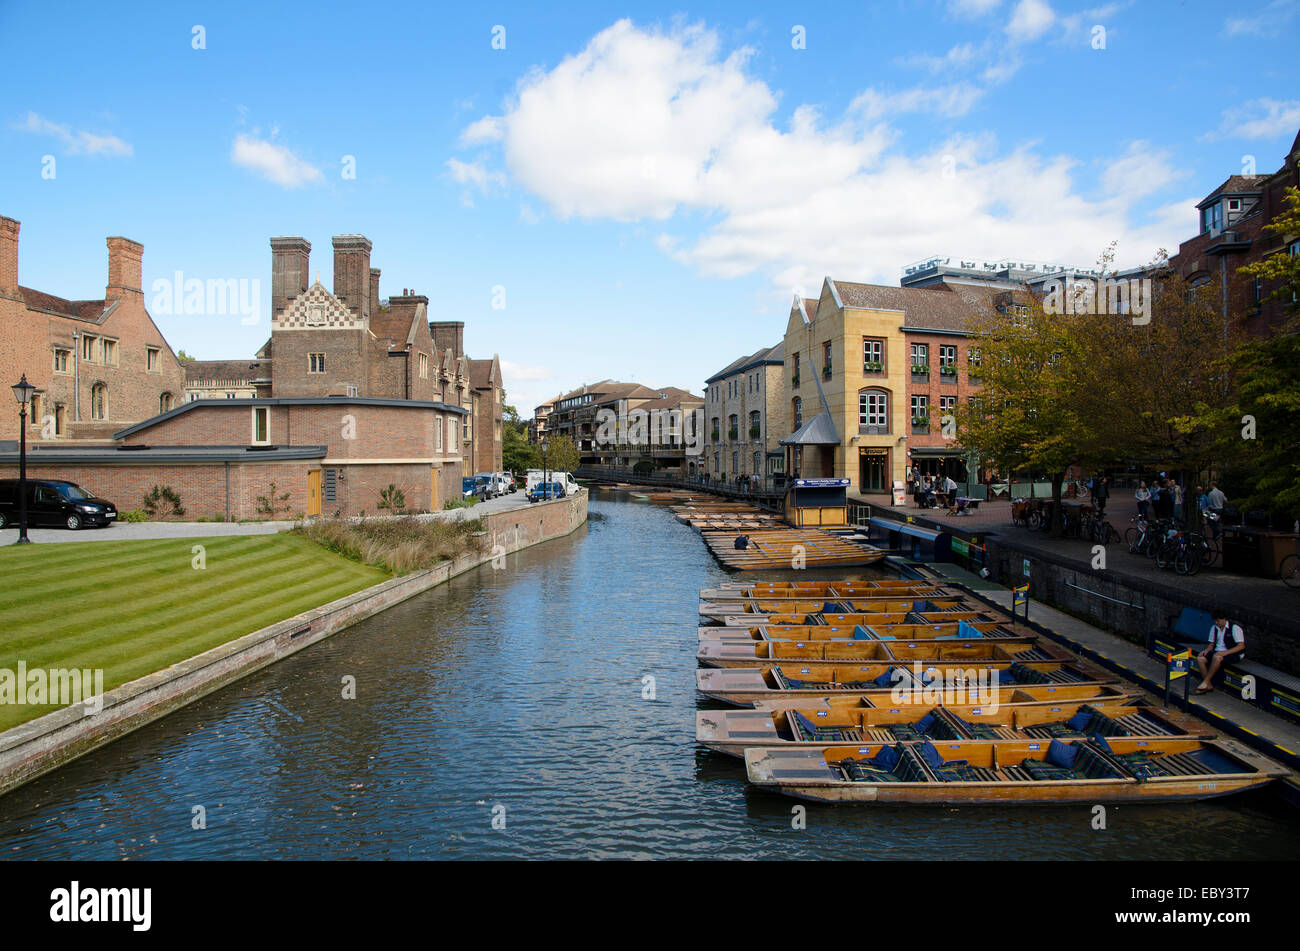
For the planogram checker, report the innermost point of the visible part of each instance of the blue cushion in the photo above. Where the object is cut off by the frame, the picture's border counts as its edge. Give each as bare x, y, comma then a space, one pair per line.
808, 726
831, 607
925, 723
930, 754
886, 679
1079, 720
967, 629
887, 758
1101, 742
860, 633
1062, 754
1006, 677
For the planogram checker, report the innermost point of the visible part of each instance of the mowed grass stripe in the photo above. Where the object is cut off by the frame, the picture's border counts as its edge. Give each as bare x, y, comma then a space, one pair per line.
214, 611
155, 588
162, 560
140, 607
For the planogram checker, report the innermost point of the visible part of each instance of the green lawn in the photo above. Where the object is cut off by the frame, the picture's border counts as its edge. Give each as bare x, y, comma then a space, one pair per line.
133, 607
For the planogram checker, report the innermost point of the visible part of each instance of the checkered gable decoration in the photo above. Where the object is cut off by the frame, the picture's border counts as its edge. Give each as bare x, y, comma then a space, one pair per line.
318, 309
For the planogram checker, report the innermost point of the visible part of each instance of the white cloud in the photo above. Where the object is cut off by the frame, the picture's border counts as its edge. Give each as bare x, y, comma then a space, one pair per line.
973, 8
1263, 118
641, 125
521, 371
1265, 23
474, 173
1030, 20
273, 162
958, 56
76, 142
487, 129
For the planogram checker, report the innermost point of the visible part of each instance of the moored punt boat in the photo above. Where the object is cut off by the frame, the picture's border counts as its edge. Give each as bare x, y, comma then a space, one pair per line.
888, 682
742, 590
786, 548
813, 727
930, 613
720, 610
1022, 696
933, 652
969, 772
882, 627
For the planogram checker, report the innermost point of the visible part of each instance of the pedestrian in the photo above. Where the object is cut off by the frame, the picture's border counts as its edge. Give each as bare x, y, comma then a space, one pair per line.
1226, 640
1143, 496
742, 542
1177, 492
1217, 501
1101, 494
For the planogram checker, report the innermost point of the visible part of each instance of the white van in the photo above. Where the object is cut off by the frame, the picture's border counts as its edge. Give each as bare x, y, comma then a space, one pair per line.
534, 476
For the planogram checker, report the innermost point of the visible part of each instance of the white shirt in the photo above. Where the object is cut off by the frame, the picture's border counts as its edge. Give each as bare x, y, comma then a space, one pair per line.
1217, 634
1217, 498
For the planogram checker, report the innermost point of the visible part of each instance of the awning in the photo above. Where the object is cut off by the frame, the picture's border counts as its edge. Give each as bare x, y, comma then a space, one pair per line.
818, 431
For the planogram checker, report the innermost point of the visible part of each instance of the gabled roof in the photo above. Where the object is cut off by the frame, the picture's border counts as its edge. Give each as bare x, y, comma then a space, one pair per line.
1235, 185
203, 371
88, 310
399, 326
484, 374
943, 307
672, 398
818, 431
767, 355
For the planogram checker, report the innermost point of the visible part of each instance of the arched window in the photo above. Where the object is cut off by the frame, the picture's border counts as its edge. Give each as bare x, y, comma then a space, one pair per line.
796, 413
164, 402
99, 401
873, 412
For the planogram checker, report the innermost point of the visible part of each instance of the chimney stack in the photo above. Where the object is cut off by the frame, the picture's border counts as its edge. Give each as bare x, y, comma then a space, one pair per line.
374, 290
290, 259
448, 333
124, 269
352, 272
8, 257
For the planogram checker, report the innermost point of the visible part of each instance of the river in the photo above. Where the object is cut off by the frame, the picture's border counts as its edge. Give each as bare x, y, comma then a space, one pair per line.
502, 716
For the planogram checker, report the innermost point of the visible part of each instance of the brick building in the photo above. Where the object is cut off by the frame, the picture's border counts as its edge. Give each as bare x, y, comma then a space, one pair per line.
97, 365
745, 416
226, 379
1231, 235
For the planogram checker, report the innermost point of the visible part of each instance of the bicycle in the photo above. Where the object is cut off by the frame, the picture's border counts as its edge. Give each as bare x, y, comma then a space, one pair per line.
1290, 569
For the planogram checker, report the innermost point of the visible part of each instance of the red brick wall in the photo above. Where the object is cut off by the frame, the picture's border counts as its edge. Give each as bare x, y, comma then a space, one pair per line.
935, 389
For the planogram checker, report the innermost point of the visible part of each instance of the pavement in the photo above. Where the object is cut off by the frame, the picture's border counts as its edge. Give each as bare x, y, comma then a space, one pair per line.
1265, 595
124, 531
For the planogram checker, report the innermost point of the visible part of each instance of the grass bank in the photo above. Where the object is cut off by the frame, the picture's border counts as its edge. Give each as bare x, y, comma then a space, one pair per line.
398, 545
133, 607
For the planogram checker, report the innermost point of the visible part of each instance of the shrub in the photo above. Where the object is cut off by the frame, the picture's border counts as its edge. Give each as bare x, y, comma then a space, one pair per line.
399, 545
273, 504
135, 515
392, 499
460, 503
163, 502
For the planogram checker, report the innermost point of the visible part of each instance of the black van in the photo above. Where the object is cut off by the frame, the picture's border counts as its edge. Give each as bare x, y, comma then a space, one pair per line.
51, 503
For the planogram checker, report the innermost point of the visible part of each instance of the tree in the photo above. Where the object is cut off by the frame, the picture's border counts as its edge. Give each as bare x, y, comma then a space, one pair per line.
1027, 417
184, 357
561, 454
1264, 423
517, 454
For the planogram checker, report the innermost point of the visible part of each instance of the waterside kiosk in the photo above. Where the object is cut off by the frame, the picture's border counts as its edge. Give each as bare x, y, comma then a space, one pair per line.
817, 503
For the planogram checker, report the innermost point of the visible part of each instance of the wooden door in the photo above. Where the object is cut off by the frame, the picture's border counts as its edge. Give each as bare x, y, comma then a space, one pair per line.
313, 491
433, 489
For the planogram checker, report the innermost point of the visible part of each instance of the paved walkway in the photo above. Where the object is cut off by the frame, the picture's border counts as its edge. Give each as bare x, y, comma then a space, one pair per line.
150, 530
1266, 595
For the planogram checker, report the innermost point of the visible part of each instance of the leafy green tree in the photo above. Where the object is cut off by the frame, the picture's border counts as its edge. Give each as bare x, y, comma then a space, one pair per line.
517, 454
561, 454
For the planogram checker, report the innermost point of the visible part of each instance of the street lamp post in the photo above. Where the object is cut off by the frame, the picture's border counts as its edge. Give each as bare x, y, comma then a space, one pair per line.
23, 393
546, 475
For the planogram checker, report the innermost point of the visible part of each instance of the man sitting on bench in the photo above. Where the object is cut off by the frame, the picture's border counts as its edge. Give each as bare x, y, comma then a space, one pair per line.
1226, 640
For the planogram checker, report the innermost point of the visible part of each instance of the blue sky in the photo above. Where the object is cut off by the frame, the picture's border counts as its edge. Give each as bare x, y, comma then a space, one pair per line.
648, 185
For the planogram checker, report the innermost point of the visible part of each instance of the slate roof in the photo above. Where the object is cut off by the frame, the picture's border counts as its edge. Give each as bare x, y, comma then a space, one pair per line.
818, 431
205, 371
948, 307
90, 310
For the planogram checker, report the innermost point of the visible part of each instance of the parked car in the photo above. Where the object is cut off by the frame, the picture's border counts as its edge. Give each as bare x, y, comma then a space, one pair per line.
472, 488
566, 481
504, 483
544, 491
509, 477
490, 480
53, 503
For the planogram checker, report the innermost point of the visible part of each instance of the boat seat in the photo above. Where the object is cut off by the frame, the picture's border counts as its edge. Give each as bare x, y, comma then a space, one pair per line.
808, 731
929, 726
982, 731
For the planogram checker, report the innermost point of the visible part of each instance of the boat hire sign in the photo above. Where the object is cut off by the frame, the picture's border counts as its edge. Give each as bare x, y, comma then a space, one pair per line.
1178, 665
821, 483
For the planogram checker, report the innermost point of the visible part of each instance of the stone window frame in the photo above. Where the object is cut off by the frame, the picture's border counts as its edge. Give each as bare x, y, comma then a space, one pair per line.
264, 413
67, 360
109, 350
152, 360
312, 362
100, 413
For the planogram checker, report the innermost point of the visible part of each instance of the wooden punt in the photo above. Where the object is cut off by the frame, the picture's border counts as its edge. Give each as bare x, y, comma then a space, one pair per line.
732, 731
815, 589
786, 548
1024, 771
719, 610
1023, 696
936, 652
880, 627
743, 686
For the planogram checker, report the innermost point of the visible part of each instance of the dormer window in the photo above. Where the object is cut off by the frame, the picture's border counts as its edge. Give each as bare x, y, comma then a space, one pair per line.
1212, 217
